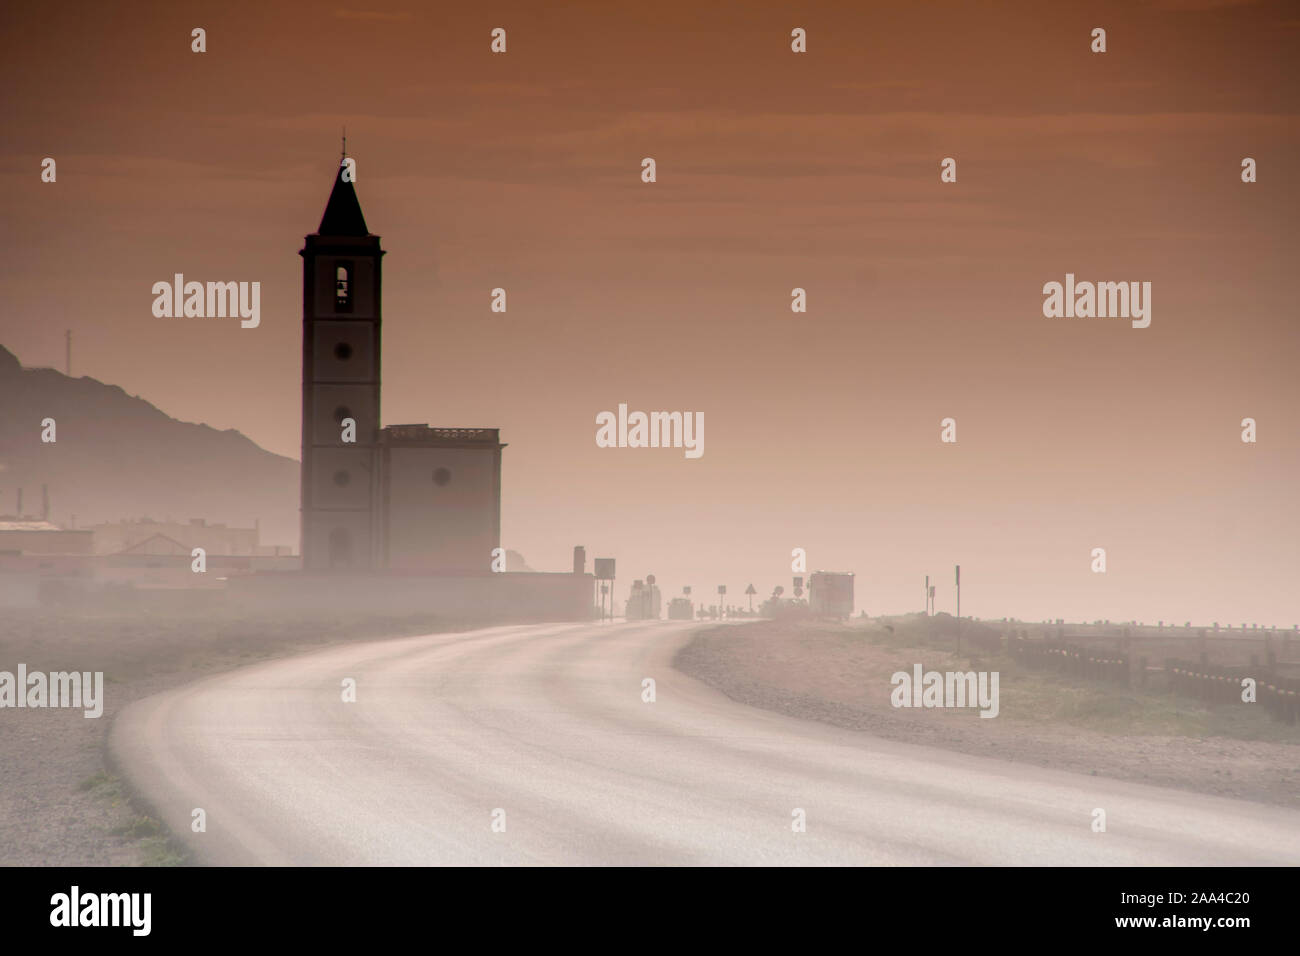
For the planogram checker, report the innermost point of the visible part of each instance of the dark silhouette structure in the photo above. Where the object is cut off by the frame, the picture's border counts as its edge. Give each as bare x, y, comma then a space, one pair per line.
402, 498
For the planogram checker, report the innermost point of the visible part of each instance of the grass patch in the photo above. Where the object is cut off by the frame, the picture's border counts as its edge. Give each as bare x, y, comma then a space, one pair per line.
162, 851
138, 828
154, 844
104, 782
1040, 696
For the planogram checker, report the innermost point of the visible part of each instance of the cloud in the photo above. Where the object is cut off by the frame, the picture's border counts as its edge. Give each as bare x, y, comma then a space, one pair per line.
342, 14
1189, 6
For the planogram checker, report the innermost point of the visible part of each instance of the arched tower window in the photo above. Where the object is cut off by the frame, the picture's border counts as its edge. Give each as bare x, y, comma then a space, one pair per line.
343, 287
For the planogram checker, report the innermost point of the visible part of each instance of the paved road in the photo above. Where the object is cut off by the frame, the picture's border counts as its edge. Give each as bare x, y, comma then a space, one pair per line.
547, 723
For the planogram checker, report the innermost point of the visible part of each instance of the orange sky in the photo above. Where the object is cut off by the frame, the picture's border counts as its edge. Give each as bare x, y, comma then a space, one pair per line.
775, 170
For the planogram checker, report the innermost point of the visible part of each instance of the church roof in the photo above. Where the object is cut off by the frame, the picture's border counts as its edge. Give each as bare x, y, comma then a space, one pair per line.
157, 544
343, 211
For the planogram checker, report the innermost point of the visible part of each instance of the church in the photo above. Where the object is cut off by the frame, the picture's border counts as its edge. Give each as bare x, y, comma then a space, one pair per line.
401, 498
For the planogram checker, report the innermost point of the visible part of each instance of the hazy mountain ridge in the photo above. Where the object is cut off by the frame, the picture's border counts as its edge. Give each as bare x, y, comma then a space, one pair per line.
118, 456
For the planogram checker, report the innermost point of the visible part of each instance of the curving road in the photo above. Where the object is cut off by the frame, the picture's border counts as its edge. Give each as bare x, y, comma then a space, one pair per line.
547, 723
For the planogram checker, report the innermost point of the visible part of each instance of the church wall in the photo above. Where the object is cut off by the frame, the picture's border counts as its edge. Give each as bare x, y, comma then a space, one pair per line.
472, 598
344, 351
442, 527
342, 478
330, 404
338, 540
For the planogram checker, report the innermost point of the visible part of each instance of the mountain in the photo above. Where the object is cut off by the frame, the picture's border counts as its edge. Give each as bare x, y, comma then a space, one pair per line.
116, 456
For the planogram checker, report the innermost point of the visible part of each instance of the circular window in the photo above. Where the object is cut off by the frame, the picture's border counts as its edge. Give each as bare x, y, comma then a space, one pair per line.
343, 351
341, 413
342, 478
441, 476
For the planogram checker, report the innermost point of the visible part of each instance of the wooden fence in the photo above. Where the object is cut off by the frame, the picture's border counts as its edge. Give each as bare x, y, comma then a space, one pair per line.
1210, 683
1224, 685
1072, 659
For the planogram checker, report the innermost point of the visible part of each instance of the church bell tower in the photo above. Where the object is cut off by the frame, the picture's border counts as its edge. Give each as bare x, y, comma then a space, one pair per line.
341, 268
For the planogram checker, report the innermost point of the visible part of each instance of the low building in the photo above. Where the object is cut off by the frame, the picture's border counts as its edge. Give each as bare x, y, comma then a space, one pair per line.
38, 536
215, 539
37, 557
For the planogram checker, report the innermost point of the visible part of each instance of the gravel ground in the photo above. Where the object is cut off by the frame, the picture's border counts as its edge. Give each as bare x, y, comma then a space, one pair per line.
58, 807
60, 804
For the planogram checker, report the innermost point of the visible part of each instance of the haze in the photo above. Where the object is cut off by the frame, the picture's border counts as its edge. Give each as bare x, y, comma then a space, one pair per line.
775, 171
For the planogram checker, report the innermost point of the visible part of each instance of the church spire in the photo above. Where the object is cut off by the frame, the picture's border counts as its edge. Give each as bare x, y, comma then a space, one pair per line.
343, 211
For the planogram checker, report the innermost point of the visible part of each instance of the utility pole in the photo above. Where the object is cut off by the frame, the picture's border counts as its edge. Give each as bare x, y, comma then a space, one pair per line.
67, 356
927, 595
959, 609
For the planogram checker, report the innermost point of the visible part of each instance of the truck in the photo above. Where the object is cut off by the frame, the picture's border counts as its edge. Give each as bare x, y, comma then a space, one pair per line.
681, 609
830, 594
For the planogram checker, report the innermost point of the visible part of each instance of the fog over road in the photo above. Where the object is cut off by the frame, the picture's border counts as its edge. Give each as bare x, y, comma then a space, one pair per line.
547, 723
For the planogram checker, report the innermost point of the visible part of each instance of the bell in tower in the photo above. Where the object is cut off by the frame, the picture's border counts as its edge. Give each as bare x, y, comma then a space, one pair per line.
340, 386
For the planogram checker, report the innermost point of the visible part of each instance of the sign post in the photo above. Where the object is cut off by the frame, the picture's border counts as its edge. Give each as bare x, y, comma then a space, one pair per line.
959, 609
604, 571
